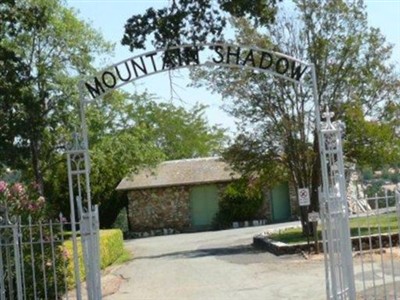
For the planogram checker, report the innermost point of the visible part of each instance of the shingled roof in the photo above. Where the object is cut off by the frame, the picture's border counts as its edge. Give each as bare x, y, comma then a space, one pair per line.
180, 172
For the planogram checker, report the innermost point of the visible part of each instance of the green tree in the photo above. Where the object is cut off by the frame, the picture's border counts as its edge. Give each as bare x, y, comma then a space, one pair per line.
43, 48
180, 133
352, 62
369, 143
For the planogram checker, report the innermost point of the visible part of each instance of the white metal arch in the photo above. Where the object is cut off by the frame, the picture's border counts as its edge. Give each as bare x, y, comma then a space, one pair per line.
154, 62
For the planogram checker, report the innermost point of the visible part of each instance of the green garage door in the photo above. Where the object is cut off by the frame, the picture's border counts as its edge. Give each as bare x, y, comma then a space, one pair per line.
280, 203
204, 206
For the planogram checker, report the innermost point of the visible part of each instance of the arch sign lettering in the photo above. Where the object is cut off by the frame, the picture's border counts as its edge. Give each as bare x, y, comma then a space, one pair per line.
185, 56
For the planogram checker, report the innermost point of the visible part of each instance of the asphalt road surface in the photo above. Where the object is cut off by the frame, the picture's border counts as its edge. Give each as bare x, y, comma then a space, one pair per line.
216, 265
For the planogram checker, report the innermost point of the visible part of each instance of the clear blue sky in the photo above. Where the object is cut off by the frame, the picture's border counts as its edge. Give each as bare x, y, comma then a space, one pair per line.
109, 17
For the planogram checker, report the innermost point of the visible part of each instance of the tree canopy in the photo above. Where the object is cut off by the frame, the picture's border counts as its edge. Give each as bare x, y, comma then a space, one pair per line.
370, 143
193, 21
43, 47
355, 78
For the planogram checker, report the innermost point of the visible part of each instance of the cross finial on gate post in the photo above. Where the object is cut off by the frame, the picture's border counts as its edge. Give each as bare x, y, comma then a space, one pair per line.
328, 115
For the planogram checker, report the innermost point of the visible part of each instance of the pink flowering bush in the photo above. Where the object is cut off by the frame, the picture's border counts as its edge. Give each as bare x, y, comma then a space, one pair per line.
3, 186
24, 201
21, 199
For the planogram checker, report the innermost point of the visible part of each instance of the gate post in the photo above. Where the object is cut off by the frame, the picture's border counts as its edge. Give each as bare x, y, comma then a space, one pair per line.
337, 241
397, 199
4, 265
17, 258
78, 161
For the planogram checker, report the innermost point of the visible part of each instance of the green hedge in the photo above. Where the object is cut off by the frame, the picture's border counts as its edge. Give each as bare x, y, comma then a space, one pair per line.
111, 248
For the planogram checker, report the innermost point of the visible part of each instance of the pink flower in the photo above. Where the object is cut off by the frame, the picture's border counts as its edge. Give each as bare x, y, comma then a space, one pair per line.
3, 186
17, 189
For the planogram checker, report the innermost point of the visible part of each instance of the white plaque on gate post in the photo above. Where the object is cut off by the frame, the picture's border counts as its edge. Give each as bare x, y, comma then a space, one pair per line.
304, 197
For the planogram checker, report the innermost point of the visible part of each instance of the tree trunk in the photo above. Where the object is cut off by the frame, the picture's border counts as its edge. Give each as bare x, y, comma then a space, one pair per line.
315, 183
316, 175
36, 167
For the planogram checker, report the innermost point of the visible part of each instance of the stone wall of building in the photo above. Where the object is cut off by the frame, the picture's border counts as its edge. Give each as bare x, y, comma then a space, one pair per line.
159, 208
166, 210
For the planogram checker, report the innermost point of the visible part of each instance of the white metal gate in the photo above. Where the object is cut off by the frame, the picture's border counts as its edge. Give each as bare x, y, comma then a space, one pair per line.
334, 214
376, 248
361, 243
39, 260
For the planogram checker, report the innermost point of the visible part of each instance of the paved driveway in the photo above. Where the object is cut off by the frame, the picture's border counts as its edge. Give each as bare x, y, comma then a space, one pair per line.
216, 265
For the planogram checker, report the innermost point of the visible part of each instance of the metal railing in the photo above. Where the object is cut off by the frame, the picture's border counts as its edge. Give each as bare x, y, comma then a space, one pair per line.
38, 261
375, 242
375, 235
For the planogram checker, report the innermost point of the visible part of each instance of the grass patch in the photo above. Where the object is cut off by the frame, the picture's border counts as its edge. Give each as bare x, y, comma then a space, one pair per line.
124, 257
360, 226
373, 224
289, 236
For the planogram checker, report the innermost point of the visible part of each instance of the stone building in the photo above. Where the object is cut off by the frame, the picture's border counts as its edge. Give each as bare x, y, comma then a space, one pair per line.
183, 195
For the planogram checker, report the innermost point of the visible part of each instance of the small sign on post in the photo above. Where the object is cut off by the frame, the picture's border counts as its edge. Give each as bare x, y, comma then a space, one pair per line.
304, 203
313, 216
304, 197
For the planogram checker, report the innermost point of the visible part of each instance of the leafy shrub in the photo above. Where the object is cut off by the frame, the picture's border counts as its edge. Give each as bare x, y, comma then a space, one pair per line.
368, 174
241, 201
111, 248
375, 188
121, 222
48, 271
395, 178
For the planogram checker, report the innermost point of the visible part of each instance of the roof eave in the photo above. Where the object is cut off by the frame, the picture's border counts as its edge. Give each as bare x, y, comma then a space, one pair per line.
145, 187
